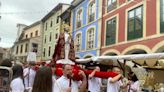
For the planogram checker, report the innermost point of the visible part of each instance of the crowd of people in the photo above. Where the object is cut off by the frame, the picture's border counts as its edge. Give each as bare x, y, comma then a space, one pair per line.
26, 78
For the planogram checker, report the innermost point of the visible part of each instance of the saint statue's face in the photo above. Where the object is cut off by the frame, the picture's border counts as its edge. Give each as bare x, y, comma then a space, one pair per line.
66, 30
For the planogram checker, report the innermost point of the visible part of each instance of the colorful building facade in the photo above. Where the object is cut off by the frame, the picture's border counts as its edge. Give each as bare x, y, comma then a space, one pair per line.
132, 27
86, 27
52, 27
29, 39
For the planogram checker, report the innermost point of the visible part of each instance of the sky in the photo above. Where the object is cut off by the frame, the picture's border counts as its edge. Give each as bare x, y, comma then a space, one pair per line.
25, 12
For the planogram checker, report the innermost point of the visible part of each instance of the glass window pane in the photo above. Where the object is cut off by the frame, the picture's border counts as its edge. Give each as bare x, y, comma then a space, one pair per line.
109, 2
135, 23
131, 14
111, 31
131, 25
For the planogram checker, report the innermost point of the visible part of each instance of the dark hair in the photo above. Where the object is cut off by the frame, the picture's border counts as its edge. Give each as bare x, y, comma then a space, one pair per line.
17, 71
43, 80
133, 77
52, 65
6, 62
32, 63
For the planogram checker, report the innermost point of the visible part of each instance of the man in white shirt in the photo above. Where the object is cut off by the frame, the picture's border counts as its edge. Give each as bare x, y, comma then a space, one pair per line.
114, 84
29, 75
65, 82
94, 83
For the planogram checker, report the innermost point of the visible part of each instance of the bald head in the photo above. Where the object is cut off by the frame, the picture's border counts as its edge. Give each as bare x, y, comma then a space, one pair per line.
97, 68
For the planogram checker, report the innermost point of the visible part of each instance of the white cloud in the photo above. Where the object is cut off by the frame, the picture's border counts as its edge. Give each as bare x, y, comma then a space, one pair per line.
24, 12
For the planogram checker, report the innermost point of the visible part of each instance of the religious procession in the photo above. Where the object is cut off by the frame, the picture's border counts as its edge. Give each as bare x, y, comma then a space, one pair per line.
85, 46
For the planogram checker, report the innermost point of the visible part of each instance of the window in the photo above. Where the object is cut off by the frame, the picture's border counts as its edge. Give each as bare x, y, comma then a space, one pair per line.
45, 39
26, 48
31, 34
46, 26
57, 20
135, 23
78, 40
17, 48
21, 50
90, 38
50, 36
79, 19
49, 51
35, 46
91, 11
111, 31
56, 36
162, 16
112, 4
51, 23
44, 52
36, 33
26, 36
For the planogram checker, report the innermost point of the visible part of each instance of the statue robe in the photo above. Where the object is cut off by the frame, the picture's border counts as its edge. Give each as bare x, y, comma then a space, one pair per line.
59, 52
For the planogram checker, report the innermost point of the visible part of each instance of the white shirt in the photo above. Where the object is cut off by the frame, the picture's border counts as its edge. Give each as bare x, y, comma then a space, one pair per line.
63, 83
113, 87
29, 77
55, 87
17, 85
135, 86
94, 84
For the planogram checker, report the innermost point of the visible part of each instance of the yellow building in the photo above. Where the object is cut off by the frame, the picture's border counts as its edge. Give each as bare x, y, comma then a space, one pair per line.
29, 40
52, 26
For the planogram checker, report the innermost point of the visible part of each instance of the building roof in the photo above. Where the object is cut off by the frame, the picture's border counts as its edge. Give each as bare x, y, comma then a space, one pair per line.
32, 25
53, 11
19, 24
66, 13
75, 3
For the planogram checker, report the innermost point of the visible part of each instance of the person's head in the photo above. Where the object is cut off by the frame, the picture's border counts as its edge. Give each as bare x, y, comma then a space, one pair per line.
67, 70
97, 68
53, 68
116, 70
43, 80
133, 77
31, 63
6, 63
17, 71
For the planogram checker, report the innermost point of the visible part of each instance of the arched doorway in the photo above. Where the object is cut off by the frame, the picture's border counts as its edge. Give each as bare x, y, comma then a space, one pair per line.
77, 58
88, 56
160, 50
111, 54
136, 51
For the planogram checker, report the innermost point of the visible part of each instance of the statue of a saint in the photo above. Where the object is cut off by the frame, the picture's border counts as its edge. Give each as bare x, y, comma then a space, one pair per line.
64, 51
